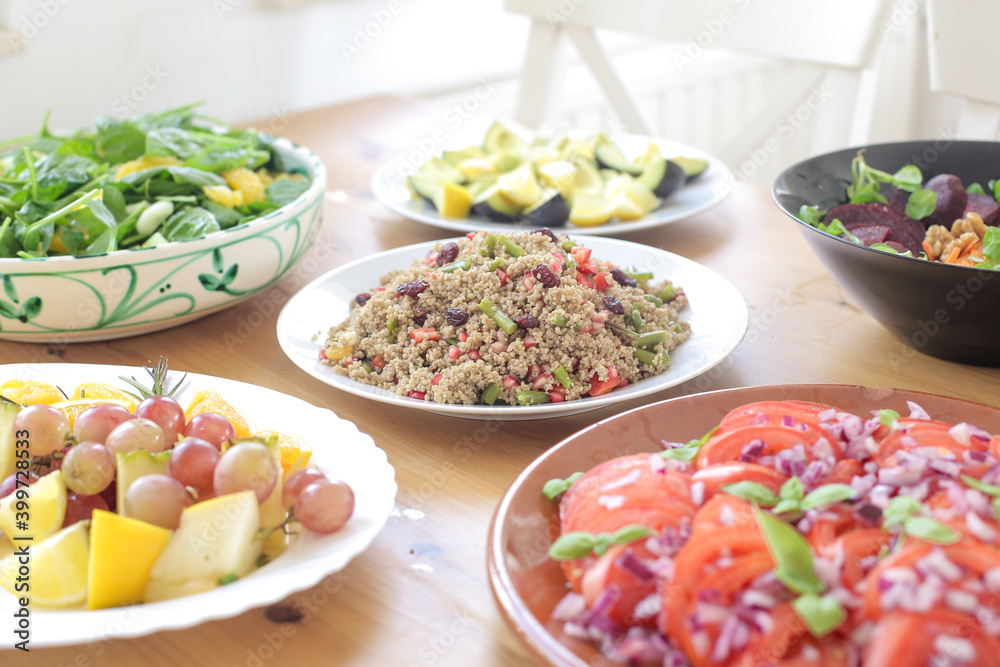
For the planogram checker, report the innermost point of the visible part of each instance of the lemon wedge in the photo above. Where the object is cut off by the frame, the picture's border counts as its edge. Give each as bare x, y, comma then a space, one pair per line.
520, 185
590, 211
46, 501
57, 569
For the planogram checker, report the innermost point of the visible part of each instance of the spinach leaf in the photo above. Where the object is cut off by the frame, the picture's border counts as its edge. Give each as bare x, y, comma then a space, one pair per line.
9, 245
177, 117
285, 190
118, 141
115, 201
35, 239
64, 168
189, 223
102, 244
178, 174
218, 158
94, 219
34, 211
172, 141
225, 216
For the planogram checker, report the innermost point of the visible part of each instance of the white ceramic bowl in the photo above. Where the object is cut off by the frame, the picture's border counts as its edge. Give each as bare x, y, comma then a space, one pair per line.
135, 291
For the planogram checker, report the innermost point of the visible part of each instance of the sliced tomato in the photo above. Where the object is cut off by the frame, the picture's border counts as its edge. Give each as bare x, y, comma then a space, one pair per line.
716, 476
857, 545
802, 411
727, 446
844, 471
602, 280
915, 438
908, 640
420, 335
608, 571
581, 254
584, 280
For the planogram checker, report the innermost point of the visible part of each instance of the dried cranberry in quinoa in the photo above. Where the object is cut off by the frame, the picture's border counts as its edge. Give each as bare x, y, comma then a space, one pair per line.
518, 319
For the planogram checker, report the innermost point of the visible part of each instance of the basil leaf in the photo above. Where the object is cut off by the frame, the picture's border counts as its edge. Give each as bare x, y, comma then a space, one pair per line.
787, 505
690, 450
827, 494
556, 487
190, 223
887, 417
930, 530
822, 615
792, 556
792, 489
572, 545
900, 509
988, 489
752, 491
975, 189
921, 204
631, 533
286, 190
602, 544
908, 178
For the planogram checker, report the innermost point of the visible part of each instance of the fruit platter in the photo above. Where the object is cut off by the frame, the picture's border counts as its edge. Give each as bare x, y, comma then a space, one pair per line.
162, 490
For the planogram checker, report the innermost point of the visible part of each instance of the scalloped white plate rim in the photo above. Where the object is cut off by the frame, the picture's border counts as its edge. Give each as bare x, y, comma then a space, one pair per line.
707, 190
717, 312
337, 445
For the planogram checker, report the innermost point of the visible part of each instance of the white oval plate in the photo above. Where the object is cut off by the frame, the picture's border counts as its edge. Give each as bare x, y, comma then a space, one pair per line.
701, 194
338, 448
717, 313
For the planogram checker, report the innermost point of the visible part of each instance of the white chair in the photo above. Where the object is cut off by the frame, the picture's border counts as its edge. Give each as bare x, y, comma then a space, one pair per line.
831, 48
964, 55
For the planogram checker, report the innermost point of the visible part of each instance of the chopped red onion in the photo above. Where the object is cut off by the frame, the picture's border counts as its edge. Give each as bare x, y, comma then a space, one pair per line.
916, 411
711, 614
977, 433
698, 493
908, 472
657, 464
871, 467
974, 585
862, 484
972, 456
726, 516
828, 570
917, 491
992, 579
759, 419
751, 450
862, 633
604, 601
978, 502
992, 476
817, 470
631, 478
571, 606
960, 433
822, 449
949, 468
576, 630
764, 622
955, 648
936, 562
810, 653
758, 599
631, 564
791, 461
724, 643
611, 502
647, 607
787, 421
909, 442
962, 601
700, 642
663, 567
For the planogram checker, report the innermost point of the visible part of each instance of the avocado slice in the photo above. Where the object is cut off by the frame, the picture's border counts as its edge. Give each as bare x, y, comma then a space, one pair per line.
609, 156
549, 211
692, 166
480, 183
494, 205
454, 157
425, 185
442, 171
663, 177
501, 140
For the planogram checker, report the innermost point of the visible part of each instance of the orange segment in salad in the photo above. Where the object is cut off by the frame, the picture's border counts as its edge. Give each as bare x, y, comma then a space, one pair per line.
208, 400
30, 392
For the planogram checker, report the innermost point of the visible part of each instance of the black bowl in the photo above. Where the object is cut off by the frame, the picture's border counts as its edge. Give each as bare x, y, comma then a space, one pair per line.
949, 312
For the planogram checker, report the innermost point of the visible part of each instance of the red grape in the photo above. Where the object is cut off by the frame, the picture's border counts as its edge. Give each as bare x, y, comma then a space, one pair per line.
297, 481
136, 434
192, 463
166, 412
47, 429
80, 507
247, 466
211, 427
88, 468
325, 506
157, 499
94, 424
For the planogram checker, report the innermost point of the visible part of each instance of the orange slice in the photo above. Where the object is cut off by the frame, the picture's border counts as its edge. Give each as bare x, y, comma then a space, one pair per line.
95, 390
208, 400
30, 392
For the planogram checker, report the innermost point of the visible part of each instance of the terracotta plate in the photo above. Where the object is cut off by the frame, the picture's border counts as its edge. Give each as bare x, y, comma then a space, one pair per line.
527, 584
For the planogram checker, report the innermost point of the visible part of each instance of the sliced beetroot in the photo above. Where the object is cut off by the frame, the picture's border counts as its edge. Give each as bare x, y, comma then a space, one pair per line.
869, 234
951, 200
986, 206
895, 195
902, 228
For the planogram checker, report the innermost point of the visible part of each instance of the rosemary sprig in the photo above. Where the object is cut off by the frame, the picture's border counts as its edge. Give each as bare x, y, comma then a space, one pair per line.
158, 374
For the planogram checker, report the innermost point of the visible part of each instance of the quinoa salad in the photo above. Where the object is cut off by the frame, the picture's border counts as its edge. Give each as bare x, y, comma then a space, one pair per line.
523, 318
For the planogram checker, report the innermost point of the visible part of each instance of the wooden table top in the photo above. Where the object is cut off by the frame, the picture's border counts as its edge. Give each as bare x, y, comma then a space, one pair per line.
419, 595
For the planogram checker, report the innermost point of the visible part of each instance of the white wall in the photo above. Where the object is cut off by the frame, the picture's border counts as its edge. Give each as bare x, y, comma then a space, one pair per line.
245, 58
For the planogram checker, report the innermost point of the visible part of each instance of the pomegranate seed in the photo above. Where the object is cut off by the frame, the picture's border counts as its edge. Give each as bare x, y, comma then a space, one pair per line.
556, 397
432, 257
541, 381
556, 268
474, 355
533, 371
454, 352
576, 363
322, 354
378, 362
437, 379
587, 328
546, 367
417, 394
379, 289
470, 235
503, 277
463, 337
498, 347
527, 282
623, 382
529, 341
509, 382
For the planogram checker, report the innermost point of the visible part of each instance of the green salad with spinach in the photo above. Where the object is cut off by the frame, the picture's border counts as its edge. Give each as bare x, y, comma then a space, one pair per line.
170, 176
